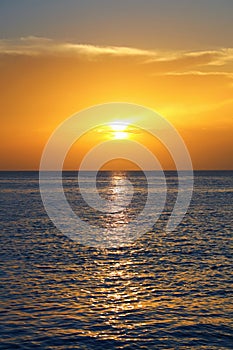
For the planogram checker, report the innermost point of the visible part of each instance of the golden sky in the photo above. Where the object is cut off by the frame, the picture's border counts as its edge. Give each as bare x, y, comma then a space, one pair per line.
44, 80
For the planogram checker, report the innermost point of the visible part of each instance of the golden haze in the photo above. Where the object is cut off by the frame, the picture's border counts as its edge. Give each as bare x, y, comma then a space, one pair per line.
193, 90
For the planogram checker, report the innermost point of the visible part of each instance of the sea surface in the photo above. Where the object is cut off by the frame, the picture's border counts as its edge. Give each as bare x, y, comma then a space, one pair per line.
163, 291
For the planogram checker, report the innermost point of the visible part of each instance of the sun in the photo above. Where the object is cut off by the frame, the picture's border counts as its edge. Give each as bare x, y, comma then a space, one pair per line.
119, 131
119, 135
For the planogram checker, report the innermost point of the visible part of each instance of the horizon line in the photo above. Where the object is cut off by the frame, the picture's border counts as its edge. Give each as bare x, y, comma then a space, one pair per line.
112, 170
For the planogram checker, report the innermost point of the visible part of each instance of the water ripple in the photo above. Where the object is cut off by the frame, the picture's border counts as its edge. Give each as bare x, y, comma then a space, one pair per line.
162, 292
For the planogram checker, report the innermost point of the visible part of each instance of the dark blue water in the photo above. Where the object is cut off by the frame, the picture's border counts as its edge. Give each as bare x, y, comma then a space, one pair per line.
164, 291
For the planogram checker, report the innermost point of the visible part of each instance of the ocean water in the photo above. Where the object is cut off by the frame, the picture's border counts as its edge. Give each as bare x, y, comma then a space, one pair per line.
162, 291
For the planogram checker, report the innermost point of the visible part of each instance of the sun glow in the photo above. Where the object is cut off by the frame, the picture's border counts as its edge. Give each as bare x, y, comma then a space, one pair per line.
120, 135
119, 131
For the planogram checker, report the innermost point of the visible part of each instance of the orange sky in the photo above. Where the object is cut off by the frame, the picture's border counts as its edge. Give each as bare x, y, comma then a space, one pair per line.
173, 56
44, 81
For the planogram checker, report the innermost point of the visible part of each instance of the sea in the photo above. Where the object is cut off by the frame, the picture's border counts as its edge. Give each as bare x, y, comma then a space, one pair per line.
163, 290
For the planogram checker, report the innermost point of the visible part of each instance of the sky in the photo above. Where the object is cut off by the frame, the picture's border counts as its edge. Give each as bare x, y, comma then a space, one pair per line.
59, 57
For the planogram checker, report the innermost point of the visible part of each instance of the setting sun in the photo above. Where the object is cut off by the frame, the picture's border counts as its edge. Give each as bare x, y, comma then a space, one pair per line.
120, 135
119, 131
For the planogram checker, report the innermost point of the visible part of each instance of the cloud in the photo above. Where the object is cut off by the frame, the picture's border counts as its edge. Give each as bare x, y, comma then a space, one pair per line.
175, 62
39, 46
215, 62
200, 73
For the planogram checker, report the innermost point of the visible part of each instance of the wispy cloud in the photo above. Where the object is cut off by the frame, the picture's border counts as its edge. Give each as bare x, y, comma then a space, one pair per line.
215, 57
179, 63
201, 63
200, 73
39, 46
